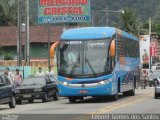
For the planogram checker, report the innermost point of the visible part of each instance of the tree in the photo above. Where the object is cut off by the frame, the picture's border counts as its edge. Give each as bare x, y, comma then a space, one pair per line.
8, 56
129, 21
8, 14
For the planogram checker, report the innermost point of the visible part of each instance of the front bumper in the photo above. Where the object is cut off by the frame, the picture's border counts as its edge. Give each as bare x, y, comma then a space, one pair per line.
28, 96
88, 90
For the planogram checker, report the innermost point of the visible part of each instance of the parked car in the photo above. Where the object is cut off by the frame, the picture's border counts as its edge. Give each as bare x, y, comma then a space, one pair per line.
157, 87
153, 76
7, 92
36, 88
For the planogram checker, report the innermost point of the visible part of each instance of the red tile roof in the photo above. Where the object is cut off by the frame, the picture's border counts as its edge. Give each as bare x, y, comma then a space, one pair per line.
8, 34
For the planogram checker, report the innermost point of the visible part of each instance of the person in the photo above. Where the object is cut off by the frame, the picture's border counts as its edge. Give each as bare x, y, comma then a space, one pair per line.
9, 75
144, 79
145, 56
40, 72
50, 72
17, 78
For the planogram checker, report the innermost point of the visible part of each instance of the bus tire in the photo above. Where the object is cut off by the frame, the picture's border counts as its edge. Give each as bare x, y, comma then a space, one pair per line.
115, 97
72, 99
131, 92
126, 93
156, 96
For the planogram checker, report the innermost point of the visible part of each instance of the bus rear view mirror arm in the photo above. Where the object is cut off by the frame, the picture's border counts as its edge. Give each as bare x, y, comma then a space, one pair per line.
113, 48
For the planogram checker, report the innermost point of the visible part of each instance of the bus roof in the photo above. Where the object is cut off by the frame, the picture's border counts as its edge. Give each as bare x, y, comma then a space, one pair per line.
87, 33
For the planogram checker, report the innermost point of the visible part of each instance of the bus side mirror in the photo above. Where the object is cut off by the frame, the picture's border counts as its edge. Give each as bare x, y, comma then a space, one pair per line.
52, 49
113, 48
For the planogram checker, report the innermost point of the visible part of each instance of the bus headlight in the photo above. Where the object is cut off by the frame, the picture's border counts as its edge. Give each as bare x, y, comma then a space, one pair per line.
102, 82
105, 81
65, 83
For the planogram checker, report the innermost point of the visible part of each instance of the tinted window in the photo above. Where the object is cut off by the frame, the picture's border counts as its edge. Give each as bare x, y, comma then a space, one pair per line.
128, 47
34, 81
131, 48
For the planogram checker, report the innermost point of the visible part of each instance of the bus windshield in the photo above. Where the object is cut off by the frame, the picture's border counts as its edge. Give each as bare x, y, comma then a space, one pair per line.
84, 58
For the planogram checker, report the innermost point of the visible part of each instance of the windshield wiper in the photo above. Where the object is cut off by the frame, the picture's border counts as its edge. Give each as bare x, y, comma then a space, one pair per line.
90, 66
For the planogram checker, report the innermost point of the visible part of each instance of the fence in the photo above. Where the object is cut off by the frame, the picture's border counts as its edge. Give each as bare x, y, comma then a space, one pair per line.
33, 68
25, 71
33, 63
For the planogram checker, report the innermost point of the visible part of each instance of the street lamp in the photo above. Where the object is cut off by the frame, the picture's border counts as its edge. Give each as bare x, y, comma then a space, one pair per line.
23, 27
110, 11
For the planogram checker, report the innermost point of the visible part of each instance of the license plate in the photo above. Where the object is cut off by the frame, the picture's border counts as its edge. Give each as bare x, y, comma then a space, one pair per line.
26, 96
83, 91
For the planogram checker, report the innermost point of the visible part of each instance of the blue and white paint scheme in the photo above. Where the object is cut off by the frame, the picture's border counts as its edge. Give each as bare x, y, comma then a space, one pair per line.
93, 71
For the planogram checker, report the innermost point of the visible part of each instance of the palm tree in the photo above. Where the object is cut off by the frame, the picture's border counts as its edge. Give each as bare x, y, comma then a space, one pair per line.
8, 12
129, 21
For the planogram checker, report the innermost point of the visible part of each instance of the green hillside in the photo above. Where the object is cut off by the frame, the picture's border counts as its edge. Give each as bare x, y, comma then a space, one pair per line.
143, 8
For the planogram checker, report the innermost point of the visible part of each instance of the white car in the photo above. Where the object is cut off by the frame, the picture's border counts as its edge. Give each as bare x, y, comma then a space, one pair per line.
157, 87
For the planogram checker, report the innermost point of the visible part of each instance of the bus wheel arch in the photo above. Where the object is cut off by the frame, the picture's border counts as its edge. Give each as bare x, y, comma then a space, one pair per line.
134, 82
119, 85
115, 96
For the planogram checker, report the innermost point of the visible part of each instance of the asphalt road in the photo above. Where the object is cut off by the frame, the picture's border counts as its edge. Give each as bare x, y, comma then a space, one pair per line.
142, 102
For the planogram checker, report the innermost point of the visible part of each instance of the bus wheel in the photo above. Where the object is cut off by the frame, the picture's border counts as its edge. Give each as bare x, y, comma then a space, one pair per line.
115, 97
130, 93
72, 99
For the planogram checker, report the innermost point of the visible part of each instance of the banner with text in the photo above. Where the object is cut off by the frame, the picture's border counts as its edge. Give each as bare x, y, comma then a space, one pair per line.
62, 11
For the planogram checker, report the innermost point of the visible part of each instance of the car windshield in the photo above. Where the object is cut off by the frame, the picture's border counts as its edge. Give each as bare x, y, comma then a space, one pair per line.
34, 81
83, 58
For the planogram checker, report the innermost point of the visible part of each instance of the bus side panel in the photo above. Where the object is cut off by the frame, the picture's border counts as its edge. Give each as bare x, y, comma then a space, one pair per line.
127, 73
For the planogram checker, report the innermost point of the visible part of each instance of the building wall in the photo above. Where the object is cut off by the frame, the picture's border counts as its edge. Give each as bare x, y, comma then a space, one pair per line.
37, 50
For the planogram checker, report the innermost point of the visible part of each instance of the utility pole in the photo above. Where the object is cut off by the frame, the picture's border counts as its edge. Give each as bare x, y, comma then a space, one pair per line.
49, 42
93, 18
19, 41
27, 33
149, 25
18, 38
150, 58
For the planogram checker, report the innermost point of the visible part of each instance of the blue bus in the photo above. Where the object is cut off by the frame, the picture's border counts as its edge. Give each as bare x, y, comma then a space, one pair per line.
97, 61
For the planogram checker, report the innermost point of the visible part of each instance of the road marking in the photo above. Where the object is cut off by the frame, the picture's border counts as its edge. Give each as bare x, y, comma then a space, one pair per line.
129, 101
